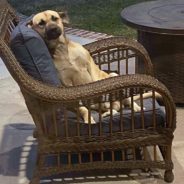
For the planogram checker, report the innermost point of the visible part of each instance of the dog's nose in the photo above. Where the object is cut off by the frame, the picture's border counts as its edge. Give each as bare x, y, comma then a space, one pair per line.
56, 30
53, 32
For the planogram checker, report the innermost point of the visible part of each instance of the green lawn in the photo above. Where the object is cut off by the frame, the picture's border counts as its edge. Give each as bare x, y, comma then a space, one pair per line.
94, 15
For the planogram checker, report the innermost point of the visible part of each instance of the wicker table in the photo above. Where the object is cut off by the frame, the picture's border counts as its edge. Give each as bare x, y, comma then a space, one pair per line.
160, 26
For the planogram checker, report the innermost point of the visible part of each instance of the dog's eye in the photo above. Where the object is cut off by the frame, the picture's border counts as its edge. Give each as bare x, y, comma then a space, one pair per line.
42, 23
54, 18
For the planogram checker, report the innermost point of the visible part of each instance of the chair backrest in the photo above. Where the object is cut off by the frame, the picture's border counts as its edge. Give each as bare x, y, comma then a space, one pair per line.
8, 21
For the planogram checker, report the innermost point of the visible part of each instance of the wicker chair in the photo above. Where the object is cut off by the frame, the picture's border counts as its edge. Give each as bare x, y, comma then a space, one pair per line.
48, 105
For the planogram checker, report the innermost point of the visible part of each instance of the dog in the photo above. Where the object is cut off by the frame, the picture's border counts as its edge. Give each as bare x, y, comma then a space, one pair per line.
73, 62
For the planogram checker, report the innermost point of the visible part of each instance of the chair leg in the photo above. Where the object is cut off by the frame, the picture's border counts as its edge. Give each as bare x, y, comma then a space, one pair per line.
35, 180
168, 175
36, 177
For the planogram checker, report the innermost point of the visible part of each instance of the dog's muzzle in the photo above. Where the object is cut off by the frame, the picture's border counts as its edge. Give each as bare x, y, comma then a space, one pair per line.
53, 32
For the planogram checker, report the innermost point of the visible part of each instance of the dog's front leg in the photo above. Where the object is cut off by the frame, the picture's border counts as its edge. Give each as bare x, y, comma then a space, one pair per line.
127, 101
85, 115
107, 108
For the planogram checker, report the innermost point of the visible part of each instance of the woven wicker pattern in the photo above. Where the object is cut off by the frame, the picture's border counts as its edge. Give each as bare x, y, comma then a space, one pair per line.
45, 102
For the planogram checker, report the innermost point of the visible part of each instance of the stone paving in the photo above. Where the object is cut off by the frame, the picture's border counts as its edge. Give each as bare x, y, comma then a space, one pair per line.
18, 148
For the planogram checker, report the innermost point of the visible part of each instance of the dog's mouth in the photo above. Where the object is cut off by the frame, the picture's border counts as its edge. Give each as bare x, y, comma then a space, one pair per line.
53, 33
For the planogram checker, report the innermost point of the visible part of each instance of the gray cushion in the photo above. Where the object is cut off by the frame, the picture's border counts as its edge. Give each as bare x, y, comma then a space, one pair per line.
127, 121
51, 160
33, 55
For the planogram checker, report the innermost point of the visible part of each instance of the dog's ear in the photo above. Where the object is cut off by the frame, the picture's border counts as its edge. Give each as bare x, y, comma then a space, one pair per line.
64, 17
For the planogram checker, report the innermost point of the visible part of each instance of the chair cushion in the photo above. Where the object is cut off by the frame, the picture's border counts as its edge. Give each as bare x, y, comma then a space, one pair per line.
127, 121
32, 53
130, 153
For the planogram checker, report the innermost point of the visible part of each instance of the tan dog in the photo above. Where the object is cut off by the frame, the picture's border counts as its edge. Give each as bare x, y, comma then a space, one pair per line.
73, 62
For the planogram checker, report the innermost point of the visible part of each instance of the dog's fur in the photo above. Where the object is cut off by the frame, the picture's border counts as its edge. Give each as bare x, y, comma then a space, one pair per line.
73, 62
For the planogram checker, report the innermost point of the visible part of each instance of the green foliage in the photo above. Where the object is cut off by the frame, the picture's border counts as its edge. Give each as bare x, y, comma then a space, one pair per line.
94, 15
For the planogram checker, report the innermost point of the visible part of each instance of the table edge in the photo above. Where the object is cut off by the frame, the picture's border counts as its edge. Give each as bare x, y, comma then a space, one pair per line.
152, 29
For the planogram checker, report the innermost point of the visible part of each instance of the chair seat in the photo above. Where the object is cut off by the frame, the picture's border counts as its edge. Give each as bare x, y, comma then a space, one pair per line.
72, 122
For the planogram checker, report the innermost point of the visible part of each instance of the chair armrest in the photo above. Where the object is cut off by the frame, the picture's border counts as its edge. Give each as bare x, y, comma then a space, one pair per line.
121, 43
51, 96
59, 94
72, 95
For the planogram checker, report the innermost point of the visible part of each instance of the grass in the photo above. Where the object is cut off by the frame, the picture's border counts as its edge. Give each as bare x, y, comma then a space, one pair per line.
94, 15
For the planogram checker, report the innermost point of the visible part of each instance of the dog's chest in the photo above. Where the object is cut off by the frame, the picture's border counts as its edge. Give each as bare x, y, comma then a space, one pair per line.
71, 58
78, 56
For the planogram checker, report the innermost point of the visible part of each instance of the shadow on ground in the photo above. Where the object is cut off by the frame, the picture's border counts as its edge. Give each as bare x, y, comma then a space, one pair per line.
18, 151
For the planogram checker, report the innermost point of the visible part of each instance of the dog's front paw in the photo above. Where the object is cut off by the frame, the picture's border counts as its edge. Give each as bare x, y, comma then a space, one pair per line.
113, 74
137, 108
108, 113
92, 121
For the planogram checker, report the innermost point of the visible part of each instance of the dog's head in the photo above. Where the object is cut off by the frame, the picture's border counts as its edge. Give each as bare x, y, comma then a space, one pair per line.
49, 24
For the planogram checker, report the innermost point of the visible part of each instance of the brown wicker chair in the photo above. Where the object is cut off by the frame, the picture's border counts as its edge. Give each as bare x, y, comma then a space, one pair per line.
46, 104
